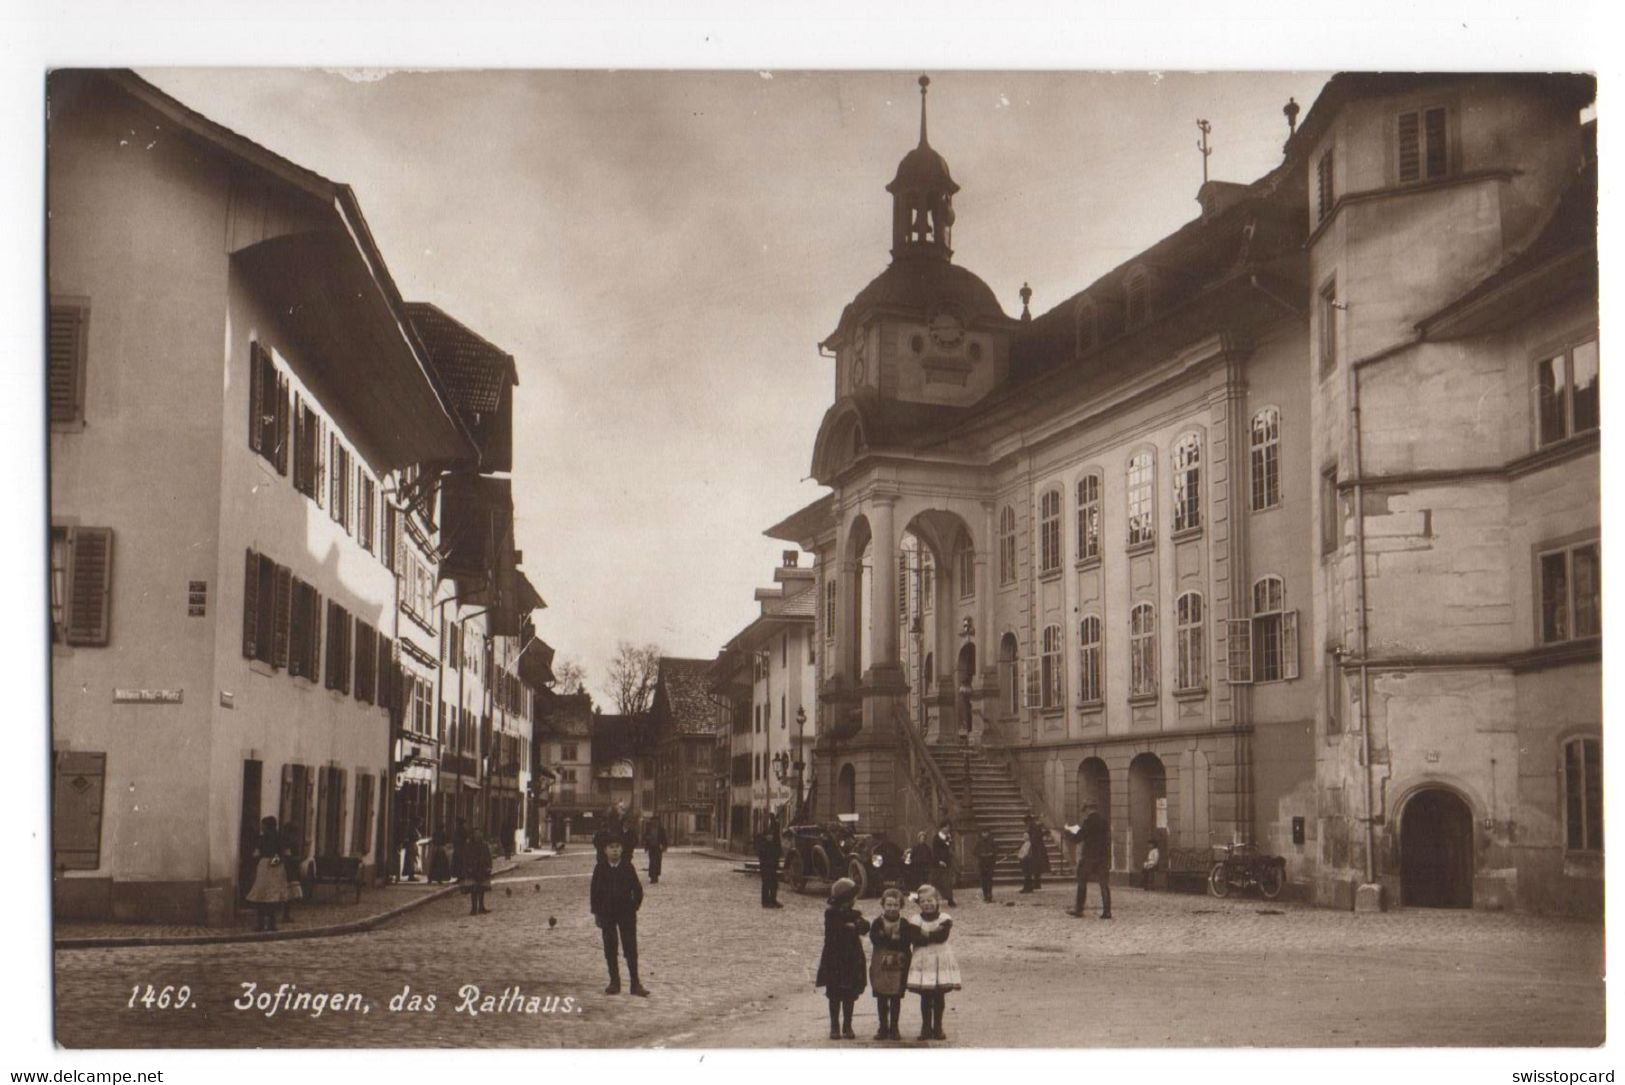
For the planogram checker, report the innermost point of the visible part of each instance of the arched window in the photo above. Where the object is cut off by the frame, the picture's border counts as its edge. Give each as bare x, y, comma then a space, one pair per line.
1007, 545
1269, 640
1582, 794
1049, 531
1089, 691
1141, 479
1266, 461
1049, 666
1142, 633
1088, 517
1008, 678
1187, 482
1189, 637
965, 567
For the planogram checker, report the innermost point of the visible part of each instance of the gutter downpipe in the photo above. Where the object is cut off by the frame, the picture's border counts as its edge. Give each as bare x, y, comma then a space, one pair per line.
1360, 583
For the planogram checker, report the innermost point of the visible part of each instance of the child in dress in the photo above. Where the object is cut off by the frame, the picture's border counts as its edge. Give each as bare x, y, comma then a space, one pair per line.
933, 971
841, 966
891, 935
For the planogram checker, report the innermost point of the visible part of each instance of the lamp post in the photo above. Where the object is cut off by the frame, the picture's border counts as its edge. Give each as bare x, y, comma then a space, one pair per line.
801, 755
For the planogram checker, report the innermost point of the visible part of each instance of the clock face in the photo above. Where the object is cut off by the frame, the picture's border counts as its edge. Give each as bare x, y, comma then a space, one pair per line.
859, 368
946, 331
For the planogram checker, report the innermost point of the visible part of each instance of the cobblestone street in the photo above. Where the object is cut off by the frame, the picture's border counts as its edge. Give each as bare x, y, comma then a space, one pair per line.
1169, 970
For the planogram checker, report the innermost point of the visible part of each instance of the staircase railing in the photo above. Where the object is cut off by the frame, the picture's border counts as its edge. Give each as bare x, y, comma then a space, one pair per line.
925, 776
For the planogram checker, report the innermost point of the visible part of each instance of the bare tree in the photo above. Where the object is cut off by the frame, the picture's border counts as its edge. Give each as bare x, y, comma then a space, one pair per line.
569, 677
632, 675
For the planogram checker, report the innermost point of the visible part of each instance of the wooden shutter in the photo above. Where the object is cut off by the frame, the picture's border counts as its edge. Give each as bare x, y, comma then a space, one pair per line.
314, 660
282, 606
1240, 634
332, 679
65, 353
1289, 644
90, 585
251, 619
76, 810
363, 814
1410, 151
256, 397
318, 450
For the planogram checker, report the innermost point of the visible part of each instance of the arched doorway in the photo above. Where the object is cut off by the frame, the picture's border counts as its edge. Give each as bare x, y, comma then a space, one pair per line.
1436, 851
846, 790
1147, 798
1095, 785
964, 682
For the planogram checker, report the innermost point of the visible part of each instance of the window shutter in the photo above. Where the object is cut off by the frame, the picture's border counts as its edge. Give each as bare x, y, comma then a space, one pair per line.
1289, 644
314, 659
318, 463
1409, 147
335, 476
382, 682
282, 413
65, 355
282, 605
256, 396
902, 586
251, 616
1240, 635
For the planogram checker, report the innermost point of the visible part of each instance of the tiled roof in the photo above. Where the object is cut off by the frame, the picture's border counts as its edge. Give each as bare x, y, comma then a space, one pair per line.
566, 715
803, 604
684, 682
475, 372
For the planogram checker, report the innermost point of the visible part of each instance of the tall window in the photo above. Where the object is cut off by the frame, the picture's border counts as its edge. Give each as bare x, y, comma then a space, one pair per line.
366, 508
308, 437
1324, 196
1190, 640
1142, 646
1424, 150
267, 408
1266, 460
1007, 673
1570, 593
339, 482
1089, 661
1326, 310
1088, 517
829, 608
1270, 640
1582, 794
1566, 388
965, 563
1007, 545
1141, 477
1049, 666
1049, 531
339, 632
1188, 482
81, 584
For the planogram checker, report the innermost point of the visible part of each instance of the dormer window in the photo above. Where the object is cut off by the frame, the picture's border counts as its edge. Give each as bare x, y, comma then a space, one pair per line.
1423, 144
1136, 298
1088, 319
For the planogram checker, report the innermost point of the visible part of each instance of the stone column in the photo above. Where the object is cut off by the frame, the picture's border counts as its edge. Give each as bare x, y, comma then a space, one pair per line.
883, 604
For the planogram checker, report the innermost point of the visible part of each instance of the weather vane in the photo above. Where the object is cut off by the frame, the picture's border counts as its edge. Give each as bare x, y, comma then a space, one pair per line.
1202, 146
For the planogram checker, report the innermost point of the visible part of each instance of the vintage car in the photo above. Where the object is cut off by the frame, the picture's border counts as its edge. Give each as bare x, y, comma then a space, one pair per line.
825, 853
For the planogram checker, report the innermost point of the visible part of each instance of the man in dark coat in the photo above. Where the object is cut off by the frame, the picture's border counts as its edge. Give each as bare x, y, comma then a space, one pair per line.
987, 861
768, 851
1034, 864
943, 874
1094, 860
654, 846
917, 863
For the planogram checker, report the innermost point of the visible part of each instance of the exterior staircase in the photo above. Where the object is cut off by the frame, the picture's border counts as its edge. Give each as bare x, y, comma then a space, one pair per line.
985, 789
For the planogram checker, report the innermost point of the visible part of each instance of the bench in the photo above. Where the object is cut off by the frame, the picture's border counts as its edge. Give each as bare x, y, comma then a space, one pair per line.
333, 870
1185, 869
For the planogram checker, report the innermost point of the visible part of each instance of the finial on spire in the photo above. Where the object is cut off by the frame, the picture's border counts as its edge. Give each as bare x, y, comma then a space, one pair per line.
1026, 296
1202, 146
925, 81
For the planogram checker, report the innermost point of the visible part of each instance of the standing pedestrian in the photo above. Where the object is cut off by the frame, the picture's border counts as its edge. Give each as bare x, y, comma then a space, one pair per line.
943, 872
841, 966
892, 937
409, 861
270, 886
459, 850
1153, 859
987, 862
768, 852
616, 896
1094, 859
917, 863
510, 829
439, 859
1034, 857
654, 846
477, 872
933, 970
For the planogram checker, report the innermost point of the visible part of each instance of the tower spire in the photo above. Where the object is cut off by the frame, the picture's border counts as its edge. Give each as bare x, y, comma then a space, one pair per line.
925, 81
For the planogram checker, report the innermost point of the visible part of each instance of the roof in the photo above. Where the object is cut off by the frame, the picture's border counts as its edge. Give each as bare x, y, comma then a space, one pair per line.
565, 715
475, 372
923, 170
342, 199
805, 523
681, 701
617, 736
923, 284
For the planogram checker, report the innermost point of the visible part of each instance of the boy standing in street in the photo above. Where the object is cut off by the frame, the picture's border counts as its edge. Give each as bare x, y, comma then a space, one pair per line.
616, 896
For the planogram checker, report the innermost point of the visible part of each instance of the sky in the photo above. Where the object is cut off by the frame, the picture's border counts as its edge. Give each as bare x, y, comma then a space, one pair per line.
661, 252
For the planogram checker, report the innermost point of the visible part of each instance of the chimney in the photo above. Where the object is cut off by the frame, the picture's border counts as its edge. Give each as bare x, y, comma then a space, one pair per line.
791, 558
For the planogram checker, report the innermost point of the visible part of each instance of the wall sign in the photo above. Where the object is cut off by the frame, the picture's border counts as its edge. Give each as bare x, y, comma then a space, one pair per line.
146, 696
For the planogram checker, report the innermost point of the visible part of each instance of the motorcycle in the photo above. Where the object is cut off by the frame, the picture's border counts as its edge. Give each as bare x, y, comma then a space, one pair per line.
1242, 867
